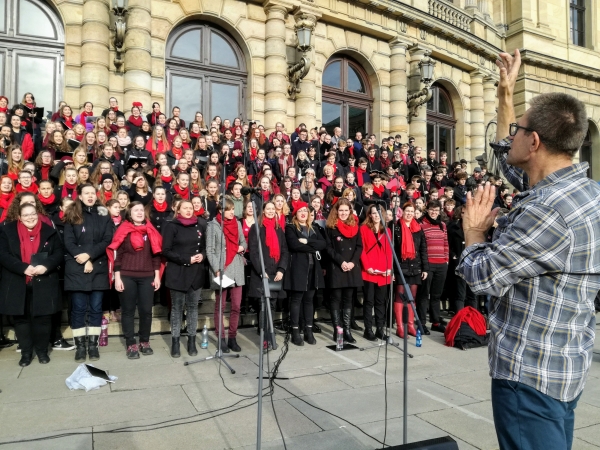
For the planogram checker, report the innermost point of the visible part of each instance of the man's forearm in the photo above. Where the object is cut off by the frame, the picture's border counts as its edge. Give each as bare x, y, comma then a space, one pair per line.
474, 237
506, 115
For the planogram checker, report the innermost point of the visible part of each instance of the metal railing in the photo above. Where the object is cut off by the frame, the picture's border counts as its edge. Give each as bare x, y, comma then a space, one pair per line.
450, 14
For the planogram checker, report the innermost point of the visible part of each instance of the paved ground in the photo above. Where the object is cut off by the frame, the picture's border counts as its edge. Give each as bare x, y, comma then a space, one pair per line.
158, 403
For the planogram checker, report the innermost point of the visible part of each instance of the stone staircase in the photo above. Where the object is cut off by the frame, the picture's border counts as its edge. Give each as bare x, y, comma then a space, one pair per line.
161, 324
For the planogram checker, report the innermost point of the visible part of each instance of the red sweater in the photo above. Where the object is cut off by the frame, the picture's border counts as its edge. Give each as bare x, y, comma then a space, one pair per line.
376, 255
136, 264
437, 242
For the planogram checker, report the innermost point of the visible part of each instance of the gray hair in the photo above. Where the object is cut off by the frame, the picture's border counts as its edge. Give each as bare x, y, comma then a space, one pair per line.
560, 120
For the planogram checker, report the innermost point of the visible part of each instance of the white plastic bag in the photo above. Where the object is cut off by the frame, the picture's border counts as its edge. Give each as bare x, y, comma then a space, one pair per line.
83, 379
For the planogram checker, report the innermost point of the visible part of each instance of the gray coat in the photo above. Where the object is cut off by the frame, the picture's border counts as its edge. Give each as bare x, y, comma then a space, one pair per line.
215, 240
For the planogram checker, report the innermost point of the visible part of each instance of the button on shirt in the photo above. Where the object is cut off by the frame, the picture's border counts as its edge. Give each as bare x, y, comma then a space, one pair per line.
543, 271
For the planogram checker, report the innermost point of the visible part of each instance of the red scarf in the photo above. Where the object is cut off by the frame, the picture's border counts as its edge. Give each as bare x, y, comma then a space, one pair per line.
107, 195
185, 193
408, 244
136, 121
33, 188
231, 232
82, 117
166, 179
116, 219
160, 207
45, 171
200, 212
281, 219
61, 215
347, 231
359, 176
29, 242
68, 121
5, 201
266, 195
372, 160
177, 152
187, 222
65, 193
136, 236
47, 201
379, 190
271, 238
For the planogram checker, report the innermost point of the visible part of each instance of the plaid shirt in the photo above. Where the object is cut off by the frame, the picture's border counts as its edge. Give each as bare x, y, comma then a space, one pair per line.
543, 272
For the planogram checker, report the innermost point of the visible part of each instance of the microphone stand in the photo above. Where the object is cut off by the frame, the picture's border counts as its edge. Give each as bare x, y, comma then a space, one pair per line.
219, 353
407, 299
265, 321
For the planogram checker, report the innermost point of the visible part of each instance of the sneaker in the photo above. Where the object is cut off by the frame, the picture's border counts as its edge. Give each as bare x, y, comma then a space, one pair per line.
18, 349
62, 344
132, 352
145, 349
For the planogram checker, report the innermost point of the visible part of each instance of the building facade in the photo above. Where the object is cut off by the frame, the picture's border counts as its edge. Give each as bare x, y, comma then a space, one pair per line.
232, 58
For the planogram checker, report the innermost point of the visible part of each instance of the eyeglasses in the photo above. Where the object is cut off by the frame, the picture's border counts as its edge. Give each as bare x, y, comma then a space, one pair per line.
28, 216
514, 129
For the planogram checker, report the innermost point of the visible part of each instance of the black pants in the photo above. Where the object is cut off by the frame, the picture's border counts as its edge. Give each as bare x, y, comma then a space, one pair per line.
341, 298
33, 332
301, 304
138, 292
464, 295
430, 293
374, 297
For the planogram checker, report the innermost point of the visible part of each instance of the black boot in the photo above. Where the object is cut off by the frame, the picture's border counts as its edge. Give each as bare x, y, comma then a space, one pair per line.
335, 322
353, 325
25, 359
308, 335
175, 352
380, 334
347, 330
368, 335
80, 350
233, 345
296, 338
93, 351
191, 346
224, 347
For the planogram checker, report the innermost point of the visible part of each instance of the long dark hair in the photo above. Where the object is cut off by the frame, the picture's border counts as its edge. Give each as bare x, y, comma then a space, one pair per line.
13, 210
74, 213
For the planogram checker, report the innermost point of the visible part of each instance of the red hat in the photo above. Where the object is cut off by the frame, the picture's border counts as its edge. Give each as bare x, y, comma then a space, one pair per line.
138, 104
299, 206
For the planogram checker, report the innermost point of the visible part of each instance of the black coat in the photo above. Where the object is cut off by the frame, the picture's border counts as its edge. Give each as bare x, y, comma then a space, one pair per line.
420, 263
116, 164
340, 249
296, 278
160, 219
91, 237
456, 239
255, 287
47, 298
180, 243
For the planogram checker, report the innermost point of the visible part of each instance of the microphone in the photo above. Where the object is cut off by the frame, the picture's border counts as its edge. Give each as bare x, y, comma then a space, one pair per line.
373, 201
500, 147
248, 190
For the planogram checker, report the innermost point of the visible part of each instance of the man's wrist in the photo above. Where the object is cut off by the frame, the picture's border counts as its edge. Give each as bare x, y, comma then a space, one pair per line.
474, 237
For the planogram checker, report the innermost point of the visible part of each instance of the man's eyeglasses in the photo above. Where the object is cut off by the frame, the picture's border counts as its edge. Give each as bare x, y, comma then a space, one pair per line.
514, 129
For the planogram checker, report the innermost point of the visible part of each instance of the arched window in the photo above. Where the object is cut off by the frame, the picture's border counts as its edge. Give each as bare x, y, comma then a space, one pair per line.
441, 124
347, 97
585, 153
31, 52
206, 72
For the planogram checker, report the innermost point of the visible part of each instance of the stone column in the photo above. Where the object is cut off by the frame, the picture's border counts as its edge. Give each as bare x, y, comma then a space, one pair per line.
275, 66
306, 99
398, 89
418, 123
95, 57
138, 60
477, 116
489, 99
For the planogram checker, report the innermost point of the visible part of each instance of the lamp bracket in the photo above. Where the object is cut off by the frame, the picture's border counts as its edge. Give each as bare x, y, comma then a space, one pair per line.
296, 72
119, 39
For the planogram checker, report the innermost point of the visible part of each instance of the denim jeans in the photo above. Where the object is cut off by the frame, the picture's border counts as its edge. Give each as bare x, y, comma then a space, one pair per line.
189, 300
526, 419
86, 302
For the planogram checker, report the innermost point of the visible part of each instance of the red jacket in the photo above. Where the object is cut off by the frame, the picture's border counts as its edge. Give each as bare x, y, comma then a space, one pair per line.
376, 255
27, 146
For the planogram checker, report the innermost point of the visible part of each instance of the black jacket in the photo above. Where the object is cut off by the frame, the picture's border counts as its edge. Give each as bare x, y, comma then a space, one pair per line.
456, 239
116, 164
340, 249
91, 237
255, 287
137, 153
420, 263
159, 219
297, 276
47, 298
180, 243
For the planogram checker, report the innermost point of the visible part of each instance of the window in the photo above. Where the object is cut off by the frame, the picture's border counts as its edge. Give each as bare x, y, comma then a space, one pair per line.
585, 153
441, 123
578, 22
31, 44
205, 72
347, 98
